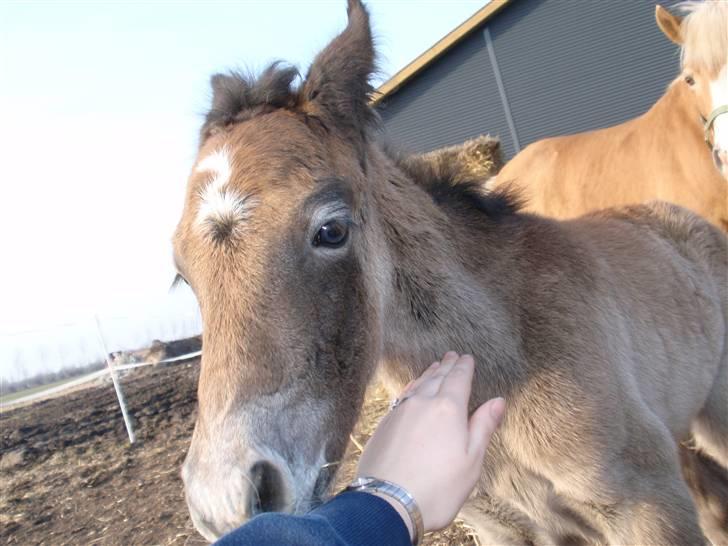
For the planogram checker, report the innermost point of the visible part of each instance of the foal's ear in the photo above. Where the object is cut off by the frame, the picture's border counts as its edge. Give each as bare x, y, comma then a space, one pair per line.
669, 24
337, 84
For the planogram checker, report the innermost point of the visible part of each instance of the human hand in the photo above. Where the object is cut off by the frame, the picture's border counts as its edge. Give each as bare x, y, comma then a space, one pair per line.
427, 444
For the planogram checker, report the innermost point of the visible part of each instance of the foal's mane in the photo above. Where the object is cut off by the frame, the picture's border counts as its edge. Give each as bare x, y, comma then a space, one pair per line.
238, 96
705, 35
444, 182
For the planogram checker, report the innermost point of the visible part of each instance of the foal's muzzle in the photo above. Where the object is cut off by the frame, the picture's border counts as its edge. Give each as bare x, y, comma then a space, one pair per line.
220, 501
266, 490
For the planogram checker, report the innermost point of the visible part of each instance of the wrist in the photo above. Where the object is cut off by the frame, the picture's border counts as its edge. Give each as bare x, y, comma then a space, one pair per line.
400, 510
399, 498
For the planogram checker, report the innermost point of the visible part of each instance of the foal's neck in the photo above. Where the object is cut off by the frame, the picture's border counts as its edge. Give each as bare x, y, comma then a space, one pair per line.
445, 289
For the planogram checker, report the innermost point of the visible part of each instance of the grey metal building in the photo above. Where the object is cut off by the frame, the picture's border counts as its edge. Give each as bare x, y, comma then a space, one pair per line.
524, 70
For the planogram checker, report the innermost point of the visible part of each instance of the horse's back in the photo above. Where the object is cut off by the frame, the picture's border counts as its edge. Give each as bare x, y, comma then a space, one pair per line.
565, 176
692, 236
676, 240
665, 268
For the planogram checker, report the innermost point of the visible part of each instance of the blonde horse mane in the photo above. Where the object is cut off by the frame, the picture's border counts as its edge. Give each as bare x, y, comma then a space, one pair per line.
705, 35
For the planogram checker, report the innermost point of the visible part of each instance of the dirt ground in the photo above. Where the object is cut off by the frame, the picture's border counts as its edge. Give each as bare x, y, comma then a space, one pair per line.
69, 476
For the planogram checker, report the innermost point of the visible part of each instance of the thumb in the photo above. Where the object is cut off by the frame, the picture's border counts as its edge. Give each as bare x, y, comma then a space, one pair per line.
483, 423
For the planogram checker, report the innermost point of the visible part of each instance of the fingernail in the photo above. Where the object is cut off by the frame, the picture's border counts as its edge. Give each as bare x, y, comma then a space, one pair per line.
497, 408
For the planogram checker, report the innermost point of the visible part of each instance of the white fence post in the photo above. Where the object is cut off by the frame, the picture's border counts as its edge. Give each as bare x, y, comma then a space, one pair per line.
117, 385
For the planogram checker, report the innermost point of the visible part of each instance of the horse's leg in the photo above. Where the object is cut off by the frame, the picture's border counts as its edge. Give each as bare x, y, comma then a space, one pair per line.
496, 524
655, 507
710, 428
708, 483
707, 475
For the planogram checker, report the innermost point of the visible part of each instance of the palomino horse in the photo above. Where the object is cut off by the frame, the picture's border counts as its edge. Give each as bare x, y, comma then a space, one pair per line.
318, 262
659, 155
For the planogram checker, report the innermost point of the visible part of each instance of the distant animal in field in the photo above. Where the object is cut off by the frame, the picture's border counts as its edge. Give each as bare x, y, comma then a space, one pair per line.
676, 152
320, 263
157, 351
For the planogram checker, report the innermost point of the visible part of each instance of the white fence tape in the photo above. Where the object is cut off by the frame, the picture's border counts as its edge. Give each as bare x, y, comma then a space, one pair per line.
165, 361
92, 377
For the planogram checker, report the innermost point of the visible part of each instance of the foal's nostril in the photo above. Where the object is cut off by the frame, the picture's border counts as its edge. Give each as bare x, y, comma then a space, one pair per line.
267, 494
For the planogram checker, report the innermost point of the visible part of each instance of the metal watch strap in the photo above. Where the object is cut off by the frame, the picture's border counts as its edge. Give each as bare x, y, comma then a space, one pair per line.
400, 494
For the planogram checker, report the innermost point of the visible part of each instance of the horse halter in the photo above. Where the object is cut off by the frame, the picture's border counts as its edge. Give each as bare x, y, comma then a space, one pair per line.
708, 123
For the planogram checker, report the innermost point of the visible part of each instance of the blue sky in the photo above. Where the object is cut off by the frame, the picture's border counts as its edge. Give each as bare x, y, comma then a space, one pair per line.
100, 104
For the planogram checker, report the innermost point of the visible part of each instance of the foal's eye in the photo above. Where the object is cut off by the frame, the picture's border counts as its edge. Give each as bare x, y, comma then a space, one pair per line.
332, 234
689, 80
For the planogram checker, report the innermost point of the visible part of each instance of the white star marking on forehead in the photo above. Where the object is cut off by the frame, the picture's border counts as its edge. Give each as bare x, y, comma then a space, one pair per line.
220, 206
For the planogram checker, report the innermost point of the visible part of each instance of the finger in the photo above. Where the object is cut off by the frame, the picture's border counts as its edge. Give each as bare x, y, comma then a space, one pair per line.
448, 361
429, 383
407, 387
413, 385
456, 384
483, 424
430, 386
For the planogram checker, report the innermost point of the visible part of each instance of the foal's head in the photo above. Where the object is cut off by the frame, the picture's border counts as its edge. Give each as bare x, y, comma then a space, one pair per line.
274, 241
703, 37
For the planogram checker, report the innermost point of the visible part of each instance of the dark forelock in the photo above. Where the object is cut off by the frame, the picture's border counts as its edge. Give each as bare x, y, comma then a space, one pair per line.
238, 96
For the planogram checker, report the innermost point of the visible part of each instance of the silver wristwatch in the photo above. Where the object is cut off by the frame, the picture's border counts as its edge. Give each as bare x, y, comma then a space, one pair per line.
392, 490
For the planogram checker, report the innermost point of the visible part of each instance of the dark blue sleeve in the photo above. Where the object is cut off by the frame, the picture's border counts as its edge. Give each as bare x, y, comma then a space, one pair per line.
349, 519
